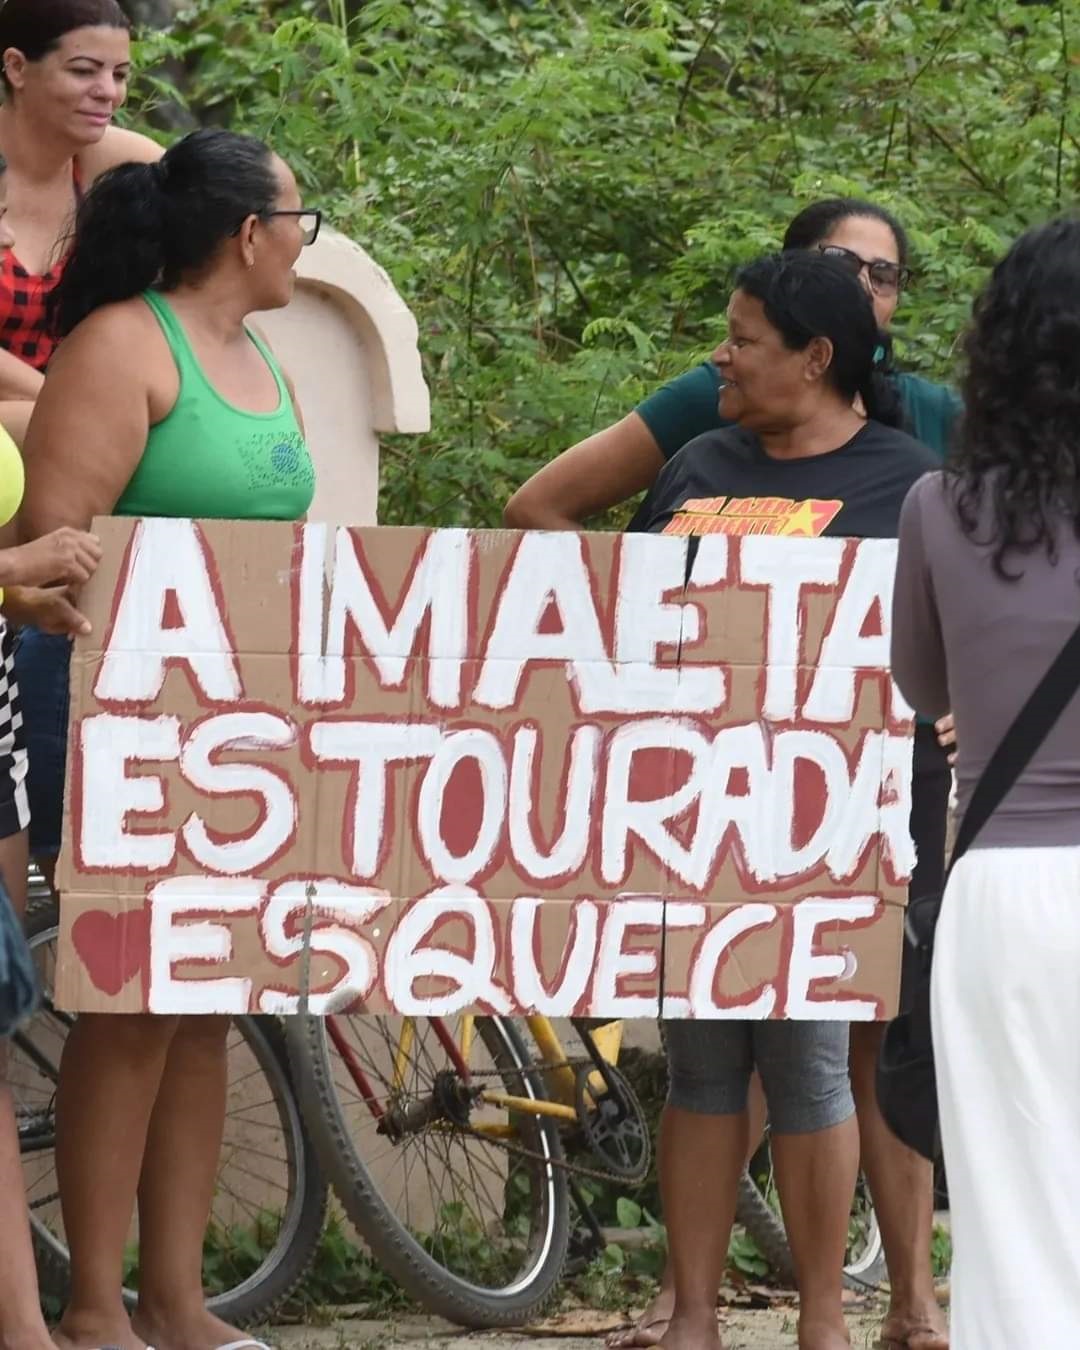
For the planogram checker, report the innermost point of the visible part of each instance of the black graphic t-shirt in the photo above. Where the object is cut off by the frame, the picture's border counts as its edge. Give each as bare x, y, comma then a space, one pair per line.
724, 482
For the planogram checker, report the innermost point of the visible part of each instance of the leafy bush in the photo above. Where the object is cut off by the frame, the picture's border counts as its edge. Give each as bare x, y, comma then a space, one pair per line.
561, 188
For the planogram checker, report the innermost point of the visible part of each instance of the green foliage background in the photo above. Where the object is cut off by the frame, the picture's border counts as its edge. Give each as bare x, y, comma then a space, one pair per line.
561, 188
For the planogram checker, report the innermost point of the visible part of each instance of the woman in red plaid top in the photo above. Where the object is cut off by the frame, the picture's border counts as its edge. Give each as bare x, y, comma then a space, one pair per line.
65, 66
29, 594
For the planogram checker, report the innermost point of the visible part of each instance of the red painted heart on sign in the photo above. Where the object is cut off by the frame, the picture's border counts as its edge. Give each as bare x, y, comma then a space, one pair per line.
114, 948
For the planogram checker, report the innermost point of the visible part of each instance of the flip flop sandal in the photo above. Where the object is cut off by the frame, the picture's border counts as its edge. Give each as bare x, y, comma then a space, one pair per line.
242, 1345
626, 1338
915, 1338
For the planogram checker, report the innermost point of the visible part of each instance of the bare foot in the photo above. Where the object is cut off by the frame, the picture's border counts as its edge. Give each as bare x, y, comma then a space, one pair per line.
87, 1333
649, 1329
915, 1328
31, 1338
693, 1331
195, 1330
823, 1334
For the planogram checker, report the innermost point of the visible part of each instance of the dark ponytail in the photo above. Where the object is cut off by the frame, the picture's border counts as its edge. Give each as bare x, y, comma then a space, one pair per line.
119, 245
144, 225
881, 392
805, 296
813, 225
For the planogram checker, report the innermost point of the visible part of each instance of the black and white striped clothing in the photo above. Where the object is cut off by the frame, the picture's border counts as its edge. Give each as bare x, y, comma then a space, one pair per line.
14, 801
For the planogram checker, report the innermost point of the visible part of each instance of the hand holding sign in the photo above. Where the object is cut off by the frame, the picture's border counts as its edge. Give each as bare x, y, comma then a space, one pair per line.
945, 727
66, 557
50, 610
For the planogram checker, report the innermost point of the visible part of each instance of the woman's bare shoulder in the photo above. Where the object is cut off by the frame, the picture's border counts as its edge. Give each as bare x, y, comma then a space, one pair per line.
120, 334
117, 146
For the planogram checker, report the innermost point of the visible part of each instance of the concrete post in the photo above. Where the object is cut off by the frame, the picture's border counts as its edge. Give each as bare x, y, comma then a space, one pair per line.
349, 343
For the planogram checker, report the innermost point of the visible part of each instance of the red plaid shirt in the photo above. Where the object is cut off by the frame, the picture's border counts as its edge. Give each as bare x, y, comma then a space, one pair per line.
22, 302
22, 311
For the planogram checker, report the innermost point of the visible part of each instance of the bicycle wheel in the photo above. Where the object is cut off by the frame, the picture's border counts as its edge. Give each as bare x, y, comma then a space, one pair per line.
270, 1199
865, 1267
757, 1211
464, 1206
764, 1225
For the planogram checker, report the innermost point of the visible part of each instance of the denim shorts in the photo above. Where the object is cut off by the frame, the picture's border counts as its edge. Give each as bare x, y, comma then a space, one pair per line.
42, 665
803, 1068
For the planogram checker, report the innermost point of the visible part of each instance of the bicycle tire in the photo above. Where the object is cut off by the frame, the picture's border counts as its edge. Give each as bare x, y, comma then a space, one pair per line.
253, 1299
866, 1271
438, 1290
765, 1226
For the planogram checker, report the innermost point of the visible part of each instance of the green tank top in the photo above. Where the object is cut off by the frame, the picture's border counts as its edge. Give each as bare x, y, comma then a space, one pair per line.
208, 459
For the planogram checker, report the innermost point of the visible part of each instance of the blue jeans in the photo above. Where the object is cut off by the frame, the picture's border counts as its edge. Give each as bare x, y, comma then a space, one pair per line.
42, 664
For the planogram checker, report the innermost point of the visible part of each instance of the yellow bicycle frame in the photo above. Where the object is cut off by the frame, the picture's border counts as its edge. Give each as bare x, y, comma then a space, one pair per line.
560, 1078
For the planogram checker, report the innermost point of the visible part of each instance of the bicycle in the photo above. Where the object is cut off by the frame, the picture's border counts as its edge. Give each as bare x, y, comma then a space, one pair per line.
442, 1140
501, 1145
271, 1197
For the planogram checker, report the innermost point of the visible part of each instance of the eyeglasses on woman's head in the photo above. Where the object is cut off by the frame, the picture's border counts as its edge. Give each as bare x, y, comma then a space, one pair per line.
886, 278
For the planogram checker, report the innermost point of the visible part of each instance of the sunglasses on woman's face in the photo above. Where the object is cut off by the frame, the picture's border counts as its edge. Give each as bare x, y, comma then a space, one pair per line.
886, 278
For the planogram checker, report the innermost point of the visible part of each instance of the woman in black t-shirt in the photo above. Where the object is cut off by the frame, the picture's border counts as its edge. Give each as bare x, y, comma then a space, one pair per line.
869, 472
615, 464
798, 360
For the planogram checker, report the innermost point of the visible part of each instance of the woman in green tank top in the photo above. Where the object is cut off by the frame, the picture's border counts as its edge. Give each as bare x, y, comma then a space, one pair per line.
208, 457
160, 402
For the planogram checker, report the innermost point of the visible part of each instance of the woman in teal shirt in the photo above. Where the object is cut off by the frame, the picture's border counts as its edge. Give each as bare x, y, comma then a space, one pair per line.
625, 459
160, 401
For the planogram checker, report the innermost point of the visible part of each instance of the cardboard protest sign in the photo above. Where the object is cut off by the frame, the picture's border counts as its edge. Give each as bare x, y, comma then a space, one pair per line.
425, 770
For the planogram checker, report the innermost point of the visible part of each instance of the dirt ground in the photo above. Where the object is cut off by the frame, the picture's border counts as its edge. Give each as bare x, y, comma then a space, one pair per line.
767, 1329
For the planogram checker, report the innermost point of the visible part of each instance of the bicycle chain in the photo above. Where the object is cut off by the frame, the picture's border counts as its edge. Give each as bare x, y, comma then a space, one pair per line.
564, 1164
519, 1150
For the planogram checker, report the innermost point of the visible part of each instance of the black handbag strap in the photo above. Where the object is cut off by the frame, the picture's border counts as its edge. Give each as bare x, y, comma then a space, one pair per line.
1034, 722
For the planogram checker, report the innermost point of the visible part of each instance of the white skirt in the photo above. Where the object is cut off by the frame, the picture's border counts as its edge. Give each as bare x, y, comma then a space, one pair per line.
1006, 1011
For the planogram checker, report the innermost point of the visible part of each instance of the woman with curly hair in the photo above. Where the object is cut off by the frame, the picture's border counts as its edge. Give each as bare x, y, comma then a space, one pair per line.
987, 594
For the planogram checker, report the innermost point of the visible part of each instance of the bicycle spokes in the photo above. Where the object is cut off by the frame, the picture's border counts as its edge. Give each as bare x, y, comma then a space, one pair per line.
430, 1111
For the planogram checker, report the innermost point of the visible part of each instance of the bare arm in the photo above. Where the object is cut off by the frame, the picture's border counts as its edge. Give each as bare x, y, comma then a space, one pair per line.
590, 477
89, 427
17, 379
117, 146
